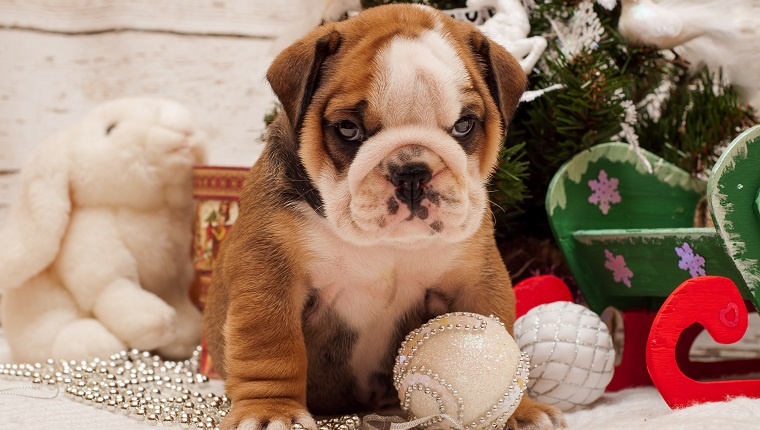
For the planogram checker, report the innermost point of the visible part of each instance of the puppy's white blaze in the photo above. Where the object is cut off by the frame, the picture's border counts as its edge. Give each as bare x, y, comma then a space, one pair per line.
424, 7
377, 148
418, 81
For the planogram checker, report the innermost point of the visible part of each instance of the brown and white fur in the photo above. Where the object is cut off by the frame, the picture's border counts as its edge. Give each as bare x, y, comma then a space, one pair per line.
338, 252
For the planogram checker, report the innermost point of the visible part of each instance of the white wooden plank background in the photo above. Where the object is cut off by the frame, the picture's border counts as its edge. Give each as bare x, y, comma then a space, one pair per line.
53, 80
60, 58
7, 185
254, 18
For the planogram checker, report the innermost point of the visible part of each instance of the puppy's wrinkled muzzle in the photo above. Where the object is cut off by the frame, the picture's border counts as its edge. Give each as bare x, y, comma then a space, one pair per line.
409, 180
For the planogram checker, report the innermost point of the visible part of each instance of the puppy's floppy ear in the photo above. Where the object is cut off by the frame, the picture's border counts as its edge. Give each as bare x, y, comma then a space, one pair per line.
39, 217
295, 74
504, 76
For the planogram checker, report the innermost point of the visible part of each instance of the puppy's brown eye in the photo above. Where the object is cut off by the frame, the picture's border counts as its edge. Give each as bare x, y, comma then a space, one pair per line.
463, 127
110, 128
350, 131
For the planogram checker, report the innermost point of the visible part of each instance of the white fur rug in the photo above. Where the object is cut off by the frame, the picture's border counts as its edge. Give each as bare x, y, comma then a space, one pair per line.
634, 409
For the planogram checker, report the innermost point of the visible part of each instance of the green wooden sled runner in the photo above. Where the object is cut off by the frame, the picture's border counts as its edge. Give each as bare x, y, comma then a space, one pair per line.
627, 235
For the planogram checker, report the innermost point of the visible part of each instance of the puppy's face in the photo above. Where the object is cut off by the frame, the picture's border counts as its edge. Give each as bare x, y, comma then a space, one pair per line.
400, 113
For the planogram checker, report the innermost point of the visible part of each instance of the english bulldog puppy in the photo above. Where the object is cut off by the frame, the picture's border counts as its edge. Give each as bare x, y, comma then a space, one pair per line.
366, 215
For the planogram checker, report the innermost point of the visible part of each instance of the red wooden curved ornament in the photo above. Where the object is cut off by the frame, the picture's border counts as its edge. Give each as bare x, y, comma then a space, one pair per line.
716, 304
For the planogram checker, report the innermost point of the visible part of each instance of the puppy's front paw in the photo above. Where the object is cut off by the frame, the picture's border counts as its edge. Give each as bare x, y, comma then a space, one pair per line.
531, 415
268, 414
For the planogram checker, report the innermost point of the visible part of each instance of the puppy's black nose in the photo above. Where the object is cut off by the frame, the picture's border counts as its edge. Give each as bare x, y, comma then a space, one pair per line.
409, 180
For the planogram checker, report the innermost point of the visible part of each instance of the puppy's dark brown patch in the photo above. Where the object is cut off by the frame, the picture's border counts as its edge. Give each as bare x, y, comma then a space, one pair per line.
393, 206
329, 343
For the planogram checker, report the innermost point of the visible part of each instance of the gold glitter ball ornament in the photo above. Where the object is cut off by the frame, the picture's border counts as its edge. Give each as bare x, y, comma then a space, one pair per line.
460, 370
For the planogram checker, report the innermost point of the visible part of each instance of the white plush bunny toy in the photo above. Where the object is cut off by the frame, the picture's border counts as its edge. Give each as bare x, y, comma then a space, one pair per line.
95, 254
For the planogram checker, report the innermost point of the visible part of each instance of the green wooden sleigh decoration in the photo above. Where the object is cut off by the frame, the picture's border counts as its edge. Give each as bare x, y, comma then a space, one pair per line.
628, 238
628, 234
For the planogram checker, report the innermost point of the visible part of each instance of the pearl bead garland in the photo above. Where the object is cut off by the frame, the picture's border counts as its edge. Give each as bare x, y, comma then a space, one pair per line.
142, 386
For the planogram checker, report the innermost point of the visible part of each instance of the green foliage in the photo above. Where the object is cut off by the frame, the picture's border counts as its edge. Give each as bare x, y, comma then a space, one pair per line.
559, 124
508, 185
691, 123
700, 118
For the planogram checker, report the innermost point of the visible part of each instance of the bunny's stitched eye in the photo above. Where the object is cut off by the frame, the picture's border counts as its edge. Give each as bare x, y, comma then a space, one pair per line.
110, 128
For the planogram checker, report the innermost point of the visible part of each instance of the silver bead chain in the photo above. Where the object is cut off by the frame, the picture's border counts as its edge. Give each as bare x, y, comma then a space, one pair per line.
142, 386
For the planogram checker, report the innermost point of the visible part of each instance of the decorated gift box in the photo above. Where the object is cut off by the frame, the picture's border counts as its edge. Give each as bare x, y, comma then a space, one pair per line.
216, 191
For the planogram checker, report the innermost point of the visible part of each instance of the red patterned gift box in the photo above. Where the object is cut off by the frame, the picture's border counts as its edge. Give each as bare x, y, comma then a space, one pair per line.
216, 191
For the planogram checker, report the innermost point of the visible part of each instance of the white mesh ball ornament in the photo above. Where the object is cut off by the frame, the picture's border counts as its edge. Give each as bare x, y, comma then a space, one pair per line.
571, 351
460, 367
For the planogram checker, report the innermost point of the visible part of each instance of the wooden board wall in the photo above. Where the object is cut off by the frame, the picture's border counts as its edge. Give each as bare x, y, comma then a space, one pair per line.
60, 58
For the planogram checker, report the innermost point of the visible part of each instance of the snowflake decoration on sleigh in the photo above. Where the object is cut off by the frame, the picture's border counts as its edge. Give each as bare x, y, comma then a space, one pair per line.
620, 271
604, 192
690, 261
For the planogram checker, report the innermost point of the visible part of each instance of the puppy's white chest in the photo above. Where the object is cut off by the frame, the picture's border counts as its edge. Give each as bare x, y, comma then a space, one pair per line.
364, 285
371, 289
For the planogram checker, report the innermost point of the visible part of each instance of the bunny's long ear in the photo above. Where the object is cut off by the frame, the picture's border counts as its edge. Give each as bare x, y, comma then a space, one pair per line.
39, 217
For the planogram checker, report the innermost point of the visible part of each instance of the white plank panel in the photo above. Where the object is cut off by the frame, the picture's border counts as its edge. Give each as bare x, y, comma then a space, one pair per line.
49, 81
7, 150
8, 186
8, 182
260, 18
